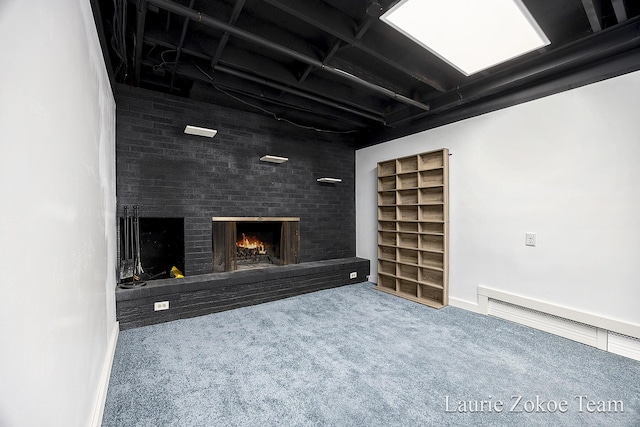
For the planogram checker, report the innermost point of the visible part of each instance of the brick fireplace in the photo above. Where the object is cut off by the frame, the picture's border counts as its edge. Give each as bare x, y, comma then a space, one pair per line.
173, 175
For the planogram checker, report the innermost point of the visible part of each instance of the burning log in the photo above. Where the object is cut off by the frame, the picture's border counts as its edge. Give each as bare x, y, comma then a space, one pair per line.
252, 243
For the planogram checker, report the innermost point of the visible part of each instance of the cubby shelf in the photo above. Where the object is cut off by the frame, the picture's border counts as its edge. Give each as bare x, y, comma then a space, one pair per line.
413, 219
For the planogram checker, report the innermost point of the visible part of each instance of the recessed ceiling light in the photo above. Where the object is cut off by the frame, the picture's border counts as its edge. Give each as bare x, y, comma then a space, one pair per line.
273, 159
195, 130
471, 35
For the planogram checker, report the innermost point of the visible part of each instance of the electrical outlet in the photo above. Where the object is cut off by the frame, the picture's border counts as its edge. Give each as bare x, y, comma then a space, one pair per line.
530, 239
161, 305
353, 275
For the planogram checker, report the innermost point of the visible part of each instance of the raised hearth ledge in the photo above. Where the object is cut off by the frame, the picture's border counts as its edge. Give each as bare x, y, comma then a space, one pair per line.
214, 292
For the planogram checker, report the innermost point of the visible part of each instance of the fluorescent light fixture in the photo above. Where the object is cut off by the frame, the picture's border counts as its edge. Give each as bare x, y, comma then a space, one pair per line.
329, 180
471, 35
274, 159
195, 130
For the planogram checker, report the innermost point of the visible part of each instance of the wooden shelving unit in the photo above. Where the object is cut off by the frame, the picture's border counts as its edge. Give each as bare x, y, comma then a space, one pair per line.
413, 227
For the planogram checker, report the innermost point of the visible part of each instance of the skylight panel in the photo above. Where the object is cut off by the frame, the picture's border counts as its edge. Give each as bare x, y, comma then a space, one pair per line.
471, 35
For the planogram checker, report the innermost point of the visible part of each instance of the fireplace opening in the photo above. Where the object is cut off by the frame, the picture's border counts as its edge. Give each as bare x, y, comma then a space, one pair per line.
161, 243
258, 244
241, 243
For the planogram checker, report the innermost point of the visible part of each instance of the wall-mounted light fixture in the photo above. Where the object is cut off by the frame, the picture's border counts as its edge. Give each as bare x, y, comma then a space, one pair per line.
329, 180
273, 159
195, 130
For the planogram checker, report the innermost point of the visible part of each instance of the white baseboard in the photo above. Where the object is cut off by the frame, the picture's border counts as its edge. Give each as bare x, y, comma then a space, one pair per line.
601, 332
465, 305
101, 399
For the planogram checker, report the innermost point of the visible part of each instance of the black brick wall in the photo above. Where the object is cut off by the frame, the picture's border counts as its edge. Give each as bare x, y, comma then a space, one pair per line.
212, 293
171, 174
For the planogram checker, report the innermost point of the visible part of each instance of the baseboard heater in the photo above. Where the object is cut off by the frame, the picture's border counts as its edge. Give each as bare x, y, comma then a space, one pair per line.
605, 334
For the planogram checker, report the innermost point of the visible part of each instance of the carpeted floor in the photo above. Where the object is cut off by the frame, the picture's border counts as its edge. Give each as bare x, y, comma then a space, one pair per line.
353, 356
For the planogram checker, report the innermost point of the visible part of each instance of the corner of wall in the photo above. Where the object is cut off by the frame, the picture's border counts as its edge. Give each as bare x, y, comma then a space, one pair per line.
466, 305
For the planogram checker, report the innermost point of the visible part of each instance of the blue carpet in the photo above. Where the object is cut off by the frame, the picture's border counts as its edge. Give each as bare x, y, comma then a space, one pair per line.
353, 356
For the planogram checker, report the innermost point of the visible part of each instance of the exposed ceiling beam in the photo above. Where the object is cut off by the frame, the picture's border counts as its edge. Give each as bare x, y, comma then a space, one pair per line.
273, 71
297, 106
246, 87
179, 49
592, 8
247, 36
292, 108
596, 47
237, 8
140, 21
155, 36
246, 76
336, 46
277, 72
617, 65
620, 11
321, 99
314, 13
362, 28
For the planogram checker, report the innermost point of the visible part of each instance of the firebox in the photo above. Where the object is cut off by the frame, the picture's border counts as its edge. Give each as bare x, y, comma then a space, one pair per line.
161, 244
241, 243
258, 244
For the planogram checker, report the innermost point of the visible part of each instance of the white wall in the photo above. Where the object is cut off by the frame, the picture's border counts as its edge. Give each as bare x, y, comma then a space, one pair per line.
57, 215
565, 167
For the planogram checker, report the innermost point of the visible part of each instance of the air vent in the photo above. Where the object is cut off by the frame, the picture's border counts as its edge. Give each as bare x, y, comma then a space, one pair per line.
566, 328
624, 345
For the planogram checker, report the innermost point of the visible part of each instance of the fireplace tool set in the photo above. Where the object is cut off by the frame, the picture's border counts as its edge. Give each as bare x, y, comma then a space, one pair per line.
131, 272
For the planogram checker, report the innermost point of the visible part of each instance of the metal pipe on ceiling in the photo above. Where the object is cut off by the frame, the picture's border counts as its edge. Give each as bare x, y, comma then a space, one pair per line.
189, 71
245, 35
333, 102
337, 117
293, 91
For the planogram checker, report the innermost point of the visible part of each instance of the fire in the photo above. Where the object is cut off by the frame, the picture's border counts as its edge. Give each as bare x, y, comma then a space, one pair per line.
251, 242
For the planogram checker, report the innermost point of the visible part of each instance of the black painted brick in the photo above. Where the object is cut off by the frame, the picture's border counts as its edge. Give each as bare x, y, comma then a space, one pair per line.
215, 292
170, 174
